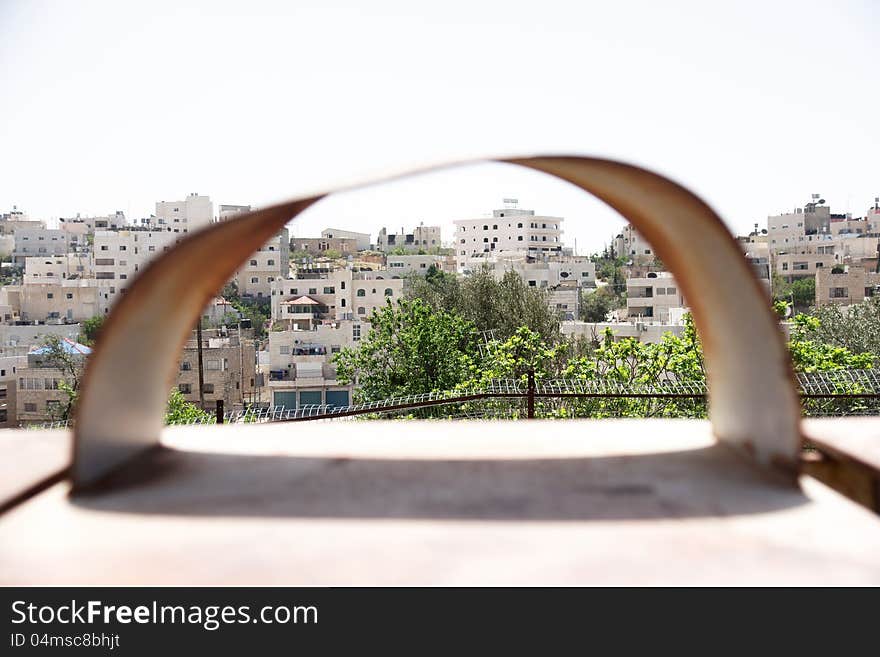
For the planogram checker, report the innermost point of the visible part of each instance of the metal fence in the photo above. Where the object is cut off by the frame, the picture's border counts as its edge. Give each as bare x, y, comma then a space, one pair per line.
835, 394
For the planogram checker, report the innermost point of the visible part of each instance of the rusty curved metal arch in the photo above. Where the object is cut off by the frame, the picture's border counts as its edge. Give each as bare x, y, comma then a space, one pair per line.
754, 405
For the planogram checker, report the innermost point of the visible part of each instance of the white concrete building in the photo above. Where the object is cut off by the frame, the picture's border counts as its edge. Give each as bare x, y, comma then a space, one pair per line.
421, 238
39, 242
55, 268
362, 239
84, 225
403, 265
644, 331
270, 263
509, 229
631, 245
300, 371
120, 255
653, 297
228, 211
9, 366
67, 301
310, 299
192, 213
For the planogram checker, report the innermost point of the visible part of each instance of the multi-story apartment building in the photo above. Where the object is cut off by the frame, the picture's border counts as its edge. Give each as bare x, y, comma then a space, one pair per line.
789, 232
268, 264
509, 229
84, 225
541, 270
653, 297
311, 298
67, 301
120, 255
40, 242
403, 265
228, 211
421, 238
630, 244
845, 285
57, 268
192, 213
14, 219
300, 369
317, 246
757, 252
362, 240
228, 369
9, 366
792, 266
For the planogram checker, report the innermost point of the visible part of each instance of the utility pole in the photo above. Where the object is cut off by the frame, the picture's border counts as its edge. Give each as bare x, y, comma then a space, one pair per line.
201, 371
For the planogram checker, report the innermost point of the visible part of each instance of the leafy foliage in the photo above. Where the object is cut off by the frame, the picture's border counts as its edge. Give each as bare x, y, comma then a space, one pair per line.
71, 367
595, 306
91, 328
856, 328
489, 304
808, 354
410, 349
180, 411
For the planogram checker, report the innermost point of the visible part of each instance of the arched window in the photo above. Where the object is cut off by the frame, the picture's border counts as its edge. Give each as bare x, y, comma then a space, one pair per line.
389, 292
362, 310
362, 293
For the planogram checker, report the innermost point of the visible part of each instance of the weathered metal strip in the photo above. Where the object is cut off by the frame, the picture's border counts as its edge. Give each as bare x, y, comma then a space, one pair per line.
754, 404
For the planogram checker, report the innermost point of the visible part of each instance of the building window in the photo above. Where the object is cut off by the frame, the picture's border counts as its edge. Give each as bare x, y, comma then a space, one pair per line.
69, 295
255, 280
270, 262
839, 293
389, 292
208, 388
30, 407
313, 290
50, 296
362, 310
329, 290
361, 293
342, 303
285, 349
185, 366
185, 388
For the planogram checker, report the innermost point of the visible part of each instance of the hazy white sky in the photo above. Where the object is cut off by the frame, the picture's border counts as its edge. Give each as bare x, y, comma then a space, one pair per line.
107, 105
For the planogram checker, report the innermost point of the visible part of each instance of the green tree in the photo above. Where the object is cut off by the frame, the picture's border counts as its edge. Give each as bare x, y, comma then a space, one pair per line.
411, 348
803, 292
71, 366
91, 328
596, 305
180, 411
808, 354
856, 327
490, 304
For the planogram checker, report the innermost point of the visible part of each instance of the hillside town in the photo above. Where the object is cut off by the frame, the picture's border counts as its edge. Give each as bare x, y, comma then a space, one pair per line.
270, 336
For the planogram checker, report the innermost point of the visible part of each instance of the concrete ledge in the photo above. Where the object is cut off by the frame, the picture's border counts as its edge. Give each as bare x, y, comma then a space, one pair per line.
540, 502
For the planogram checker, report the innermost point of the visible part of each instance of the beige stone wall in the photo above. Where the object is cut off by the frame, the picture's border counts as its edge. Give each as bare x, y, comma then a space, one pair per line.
851, 286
